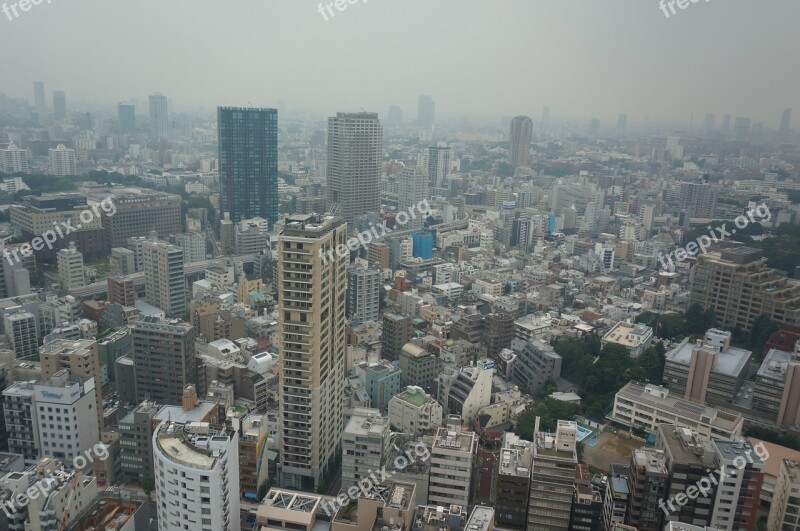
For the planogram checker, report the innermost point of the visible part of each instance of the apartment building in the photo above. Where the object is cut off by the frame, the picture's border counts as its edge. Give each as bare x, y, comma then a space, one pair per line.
364, 445
739, 286
785, 507
553, 476
414, 411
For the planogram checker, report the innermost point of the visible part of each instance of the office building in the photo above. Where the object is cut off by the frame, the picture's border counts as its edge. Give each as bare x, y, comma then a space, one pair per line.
193, 245
81, 359
389, 505
197, 477
418, 366
785, 507
251, 237
786, 119
468, 391
775, 396
514, 482
648, 486
520, 141
647, 406
426, 111
736, 500
708, 371
21, 328
311, 299
635, 338
126, 114
138, 212
698, 200
709, 123
438, 168
739, 286
19, 412
39, 102
163, 358
587, 504
617, 498
59, 105
159, 118
382, 380
553, 476
452, 459
364, 446
14, 160
70, 268
396, 331
363, 293
164, 281
136, 441
123, 261
535, 365
248, 163
355, 167
687, 458
72, 402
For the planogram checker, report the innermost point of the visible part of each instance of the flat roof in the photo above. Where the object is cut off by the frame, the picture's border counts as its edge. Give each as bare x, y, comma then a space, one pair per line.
729, 363
175, 447
775, 364
636, 392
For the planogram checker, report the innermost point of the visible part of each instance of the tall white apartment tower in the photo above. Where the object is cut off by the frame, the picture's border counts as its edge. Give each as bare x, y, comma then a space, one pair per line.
355, 164
438, 167
412, 190
312, 301
63, 161
197, 477
70, 267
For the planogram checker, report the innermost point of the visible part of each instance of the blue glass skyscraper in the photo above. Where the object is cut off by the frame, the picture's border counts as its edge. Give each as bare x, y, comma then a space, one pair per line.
248, 162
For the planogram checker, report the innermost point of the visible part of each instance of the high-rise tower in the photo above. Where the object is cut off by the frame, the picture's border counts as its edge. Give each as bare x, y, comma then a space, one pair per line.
312, 300
248, 163
159, 118
355, 153
520, 141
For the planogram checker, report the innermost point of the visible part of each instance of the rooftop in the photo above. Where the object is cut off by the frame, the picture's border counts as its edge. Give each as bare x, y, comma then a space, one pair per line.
729, 363
481, 519
730, 450
628, 335
454, 440
414, 396
658, 398
775, 364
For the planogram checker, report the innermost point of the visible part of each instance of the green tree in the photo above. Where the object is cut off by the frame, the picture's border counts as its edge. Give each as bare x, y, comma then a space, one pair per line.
762, 328
148, 484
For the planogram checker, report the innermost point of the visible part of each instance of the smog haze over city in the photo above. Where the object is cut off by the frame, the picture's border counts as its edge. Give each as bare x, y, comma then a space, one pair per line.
399, 265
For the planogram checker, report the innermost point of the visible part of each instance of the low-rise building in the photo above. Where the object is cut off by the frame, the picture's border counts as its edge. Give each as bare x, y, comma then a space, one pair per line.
635, 338
647, 406
414, 411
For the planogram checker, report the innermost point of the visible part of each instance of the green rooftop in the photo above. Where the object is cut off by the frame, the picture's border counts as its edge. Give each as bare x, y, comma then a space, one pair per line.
417, 399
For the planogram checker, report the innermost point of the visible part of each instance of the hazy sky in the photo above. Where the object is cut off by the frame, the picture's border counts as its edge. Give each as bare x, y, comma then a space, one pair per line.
476, 58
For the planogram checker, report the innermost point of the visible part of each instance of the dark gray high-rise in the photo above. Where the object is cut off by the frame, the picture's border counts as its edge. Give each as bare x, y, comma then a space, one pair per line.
39, 102
126, 112
248, 162
59, 105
